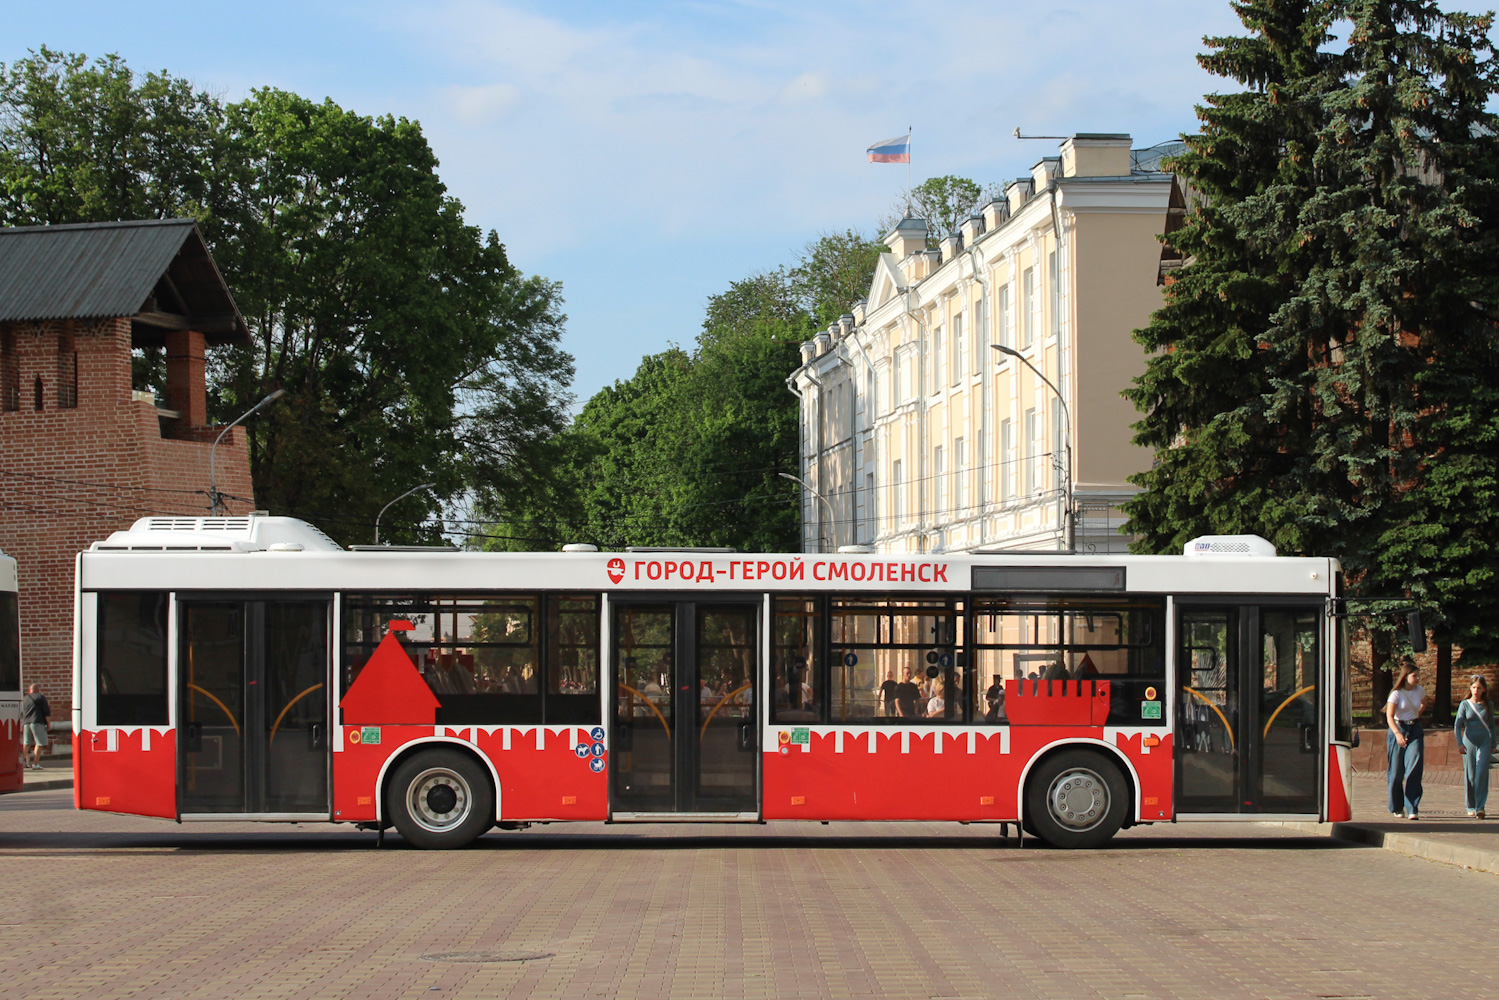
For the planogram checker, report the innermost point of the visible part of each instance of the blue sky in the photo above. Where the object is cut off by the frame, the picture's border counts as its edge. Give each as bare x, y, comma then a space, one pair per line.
647, 154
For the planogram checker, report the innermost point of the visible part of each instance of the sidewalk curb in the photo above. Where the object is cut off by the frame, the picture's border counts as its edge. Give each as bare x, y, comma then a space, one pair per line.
1410, 844
43, 786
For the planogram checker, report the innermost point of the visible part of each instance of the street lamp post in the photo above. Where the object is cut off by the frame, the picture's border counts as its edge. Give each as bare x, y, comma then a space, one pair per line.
387, 507
216, 499
1068, 517
821, 538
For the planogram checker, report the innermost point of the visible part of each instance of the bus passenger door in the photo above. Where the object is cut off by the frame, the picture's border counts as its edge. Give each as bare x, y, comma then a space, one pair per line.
1249, 736
253, 708
684, 735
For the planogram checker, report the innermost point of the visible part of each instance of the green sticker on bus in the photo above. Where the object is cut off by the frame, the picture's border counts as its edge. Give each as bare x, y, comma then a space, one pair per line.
802, 735
1150, 710
369, 734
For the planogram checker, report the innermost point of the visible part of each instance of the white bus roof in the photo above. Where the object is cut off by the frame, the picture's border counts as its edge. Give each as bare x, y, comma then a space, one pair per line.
282, 553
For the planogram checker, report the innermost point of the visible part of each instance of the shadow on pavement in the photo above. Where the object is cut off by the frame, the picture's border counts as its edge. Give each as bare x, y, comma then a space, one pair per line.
43, 844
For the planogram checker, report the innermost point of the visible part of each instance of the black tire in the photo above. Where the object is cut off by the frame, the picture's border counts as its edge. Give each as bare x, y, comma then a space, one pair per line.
440, 799
1076, 799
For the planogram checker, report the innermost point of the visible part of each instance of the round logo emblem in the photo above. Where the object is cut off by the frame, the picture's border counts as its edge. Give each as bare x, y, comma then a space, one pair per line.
783, 737
850, 659
581, 750
354, 735
1150, 694
598, 749
596, 765
597, 732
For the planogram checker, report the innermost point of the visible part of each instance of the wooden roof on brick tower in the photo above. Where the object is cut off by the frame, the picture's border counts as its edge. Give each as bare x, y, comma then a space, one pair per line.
158, 272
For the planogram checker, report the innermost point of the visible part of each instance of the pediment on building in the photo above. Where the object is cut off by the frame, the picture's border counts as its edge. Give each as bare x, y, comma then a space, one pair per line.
886, 283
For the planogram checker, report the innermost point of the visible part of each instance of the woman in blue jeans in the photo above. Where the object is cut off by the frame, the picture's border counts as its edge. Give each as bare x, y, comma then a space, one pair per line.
1406, 741
1474, 729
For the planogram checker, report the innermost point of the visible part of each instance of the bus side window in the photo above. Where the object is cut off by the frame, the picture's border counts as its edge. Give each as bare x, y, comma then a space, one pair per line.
796, 662
132, 659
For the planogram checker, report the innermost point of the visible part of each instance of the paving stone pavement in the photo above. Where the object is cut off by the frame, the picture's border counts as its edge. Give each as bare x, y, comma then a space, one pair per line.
106, 906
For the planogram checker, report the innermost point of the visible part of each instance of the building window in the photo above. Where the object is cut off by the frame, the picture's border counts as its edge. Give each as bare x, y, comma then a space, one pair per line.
38, 394
939, 357
1002, 315
897, 495
10, 371
1029, 305
980, 329
959, 473
871, 507
67, 369
1033, 450
959, 350
897, 394
1055, 279
1006, 459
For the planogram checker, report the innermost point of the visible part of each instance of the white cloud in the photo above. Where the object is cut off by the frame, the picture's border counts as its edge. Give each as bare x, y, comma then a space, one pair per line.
484, 104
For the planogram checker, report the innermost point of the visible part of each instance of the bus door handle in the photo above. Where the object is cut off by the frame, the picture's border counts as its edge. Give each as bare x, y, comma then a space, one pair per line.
315, 736
624, 736
1308, 739
747, 736
195, 737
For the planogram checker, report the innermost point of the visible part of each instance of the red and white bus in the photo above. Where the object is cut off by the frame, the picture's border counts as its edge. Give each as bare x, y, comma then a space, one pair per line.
11, 774
249, 669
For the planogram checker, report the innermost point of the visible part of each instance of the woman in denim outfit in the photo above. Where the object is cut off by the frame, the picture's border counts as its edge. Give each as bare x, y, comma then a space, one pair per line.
1406, 741
1474, 729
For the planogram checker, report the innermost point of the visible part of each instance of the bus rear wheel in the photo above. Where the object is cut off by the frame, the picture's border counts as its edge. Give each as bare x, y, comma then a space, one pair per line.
440, 799
1076, 799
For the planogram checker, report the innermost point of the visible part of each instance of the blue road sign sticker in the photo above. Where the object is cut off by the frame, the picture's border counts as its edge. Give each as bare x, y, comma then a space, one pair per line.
945, 660
850, 659
596, 765
598, 749
597, 732
581, 750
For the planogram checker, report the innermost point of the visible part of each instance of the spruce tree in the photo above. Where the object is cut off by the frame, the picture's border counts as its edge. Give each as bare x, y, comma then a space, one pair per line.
1350, 407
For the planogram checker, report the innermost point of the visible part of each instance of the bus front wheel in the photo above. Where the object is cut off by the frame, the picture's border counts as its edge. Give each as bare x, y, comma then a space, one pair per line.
1076, 799
440, 799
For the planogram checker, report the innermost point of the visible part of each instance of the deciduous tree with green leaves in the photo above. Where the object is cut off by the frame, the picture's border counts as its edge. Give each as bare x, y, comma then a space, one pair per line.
690, 450
409, 347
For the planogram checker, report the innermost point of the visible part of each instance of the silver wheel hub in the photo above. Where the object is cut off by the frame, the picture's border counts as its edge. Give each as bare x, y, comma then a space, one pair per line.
439, 799
1078, 799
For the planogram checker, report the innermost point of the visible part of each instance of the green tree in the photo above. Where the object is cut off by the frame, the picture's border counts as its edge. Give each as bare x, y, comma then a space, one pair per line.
690, 449
944, 202
1317, 366
87, 142
410, 349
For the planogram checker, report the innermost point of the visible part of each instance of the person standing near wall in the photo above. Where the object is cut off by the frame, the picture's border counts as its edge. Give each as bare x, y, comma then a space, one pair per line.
35, 714
1406, 742
1474, 729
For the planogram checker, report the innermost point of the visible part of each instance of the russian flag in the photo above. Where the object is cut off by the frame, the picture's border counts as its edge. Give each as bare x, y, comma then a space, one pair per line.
897, 150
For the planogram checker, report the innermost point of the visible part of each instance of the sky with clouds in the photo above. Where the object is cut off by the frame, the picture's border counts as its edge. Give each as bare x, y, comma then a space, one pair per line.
648, 154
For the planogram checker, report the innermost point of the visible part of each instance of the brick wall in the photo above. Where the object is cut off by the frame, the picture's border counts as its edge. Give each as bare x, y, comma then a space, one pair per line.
1361, 676
70, 476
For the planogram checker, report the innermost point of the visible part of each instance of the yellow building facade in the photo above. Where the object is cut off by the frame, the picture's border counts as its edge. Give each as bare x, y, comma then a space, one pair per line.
918, 436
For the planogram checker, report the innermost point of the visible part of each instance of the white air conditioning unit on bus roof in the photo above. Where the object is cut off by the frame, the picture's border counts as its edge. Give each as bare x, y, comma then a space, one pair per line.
1228, 545
256, 533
